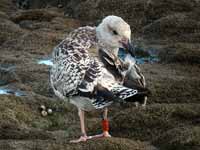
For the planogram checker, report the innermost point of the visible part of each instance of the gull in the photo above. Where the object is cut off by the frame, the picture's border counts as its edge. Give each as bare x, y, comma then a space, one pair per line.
85, 80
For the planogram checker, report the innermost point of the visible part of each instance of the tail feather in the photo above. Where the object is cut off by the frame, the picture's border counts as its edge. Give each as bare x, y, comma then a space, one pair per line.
103, 97
130, 95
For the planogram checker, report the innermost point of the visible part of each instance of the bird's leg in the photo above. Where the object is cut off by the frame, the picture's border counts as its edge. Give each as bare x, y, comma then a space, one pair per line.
84, 136
105, 124
145, 102
82, 122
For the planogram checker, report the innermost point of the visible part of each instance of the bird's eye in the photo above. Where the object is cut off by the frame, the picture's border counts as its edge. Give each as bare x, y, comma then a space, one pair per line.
115, 32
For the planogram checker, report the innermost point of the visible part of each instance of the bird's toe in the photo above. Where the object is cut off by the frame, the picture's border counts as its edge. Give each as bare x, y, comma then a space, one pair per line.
81, 139
106, 134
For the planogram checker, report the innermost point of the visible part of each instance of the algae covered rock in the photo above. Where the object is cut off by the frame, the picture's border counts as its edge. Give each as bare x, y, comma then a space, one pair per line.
154, 121
181, 52
180, 138
100, 144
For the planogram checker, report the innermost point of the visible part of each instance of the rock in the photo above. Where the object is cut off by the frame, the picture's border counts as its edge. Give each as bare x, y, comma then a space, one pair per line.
151, 18
23, 128
179, 26
3, 15
152, 123
9, 30
182, 53
172, 83
8, 6
180, 138
51, 25
95, 11
31, 4
36, 14
137, 13
156, 9
42, 107
7, 76
9, 132
103, 144
49, 111
44, 113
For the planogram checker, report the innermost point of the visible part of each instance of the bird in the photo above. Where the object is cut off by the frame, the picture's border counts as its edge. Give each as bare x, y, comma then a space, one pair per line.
85, 80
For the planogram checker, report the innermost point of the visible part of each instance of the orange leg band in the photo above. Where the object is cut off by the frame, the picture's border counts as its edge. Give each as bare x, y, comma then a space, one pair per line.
105, 125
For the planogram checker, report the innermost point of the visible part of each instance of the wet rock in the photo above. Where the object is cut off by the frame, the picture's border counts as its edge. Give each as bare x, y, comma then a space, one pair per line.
7, 91
7, 76
47, 62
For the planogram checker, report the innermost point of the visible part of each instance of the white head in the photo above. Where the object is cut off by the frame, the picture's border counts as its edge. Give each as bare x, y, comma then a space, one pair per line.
114, 32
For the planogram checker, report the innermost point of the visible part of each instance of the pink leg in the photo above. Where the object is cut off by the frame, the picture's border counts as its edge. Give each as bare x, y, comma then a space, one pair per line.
84, 136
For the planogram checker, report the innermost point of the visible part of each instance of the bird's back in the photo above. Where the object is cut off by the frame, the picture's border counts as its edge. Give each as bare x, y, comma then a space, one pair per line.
70, 60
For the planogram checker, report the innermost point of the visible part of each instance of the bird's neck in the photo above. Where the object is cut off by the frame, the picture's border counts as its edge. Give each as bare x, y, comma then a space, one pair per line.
102, 45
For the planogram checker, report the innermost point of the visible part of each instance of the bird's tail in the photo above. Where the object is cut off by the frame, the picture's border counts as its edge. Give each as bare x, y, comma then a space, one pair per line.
130, 95
103, 97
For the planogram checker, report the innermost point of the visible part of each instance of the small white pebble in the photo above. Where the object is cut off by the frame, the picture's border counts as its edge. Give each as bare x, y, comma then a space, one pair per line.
42, 107
44, 113
60, 5
136, 104
49, 111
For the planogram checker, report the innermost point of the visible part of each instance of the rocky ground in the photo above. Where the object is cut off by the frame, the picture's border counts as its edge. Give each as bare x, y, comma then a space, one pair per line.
171, 120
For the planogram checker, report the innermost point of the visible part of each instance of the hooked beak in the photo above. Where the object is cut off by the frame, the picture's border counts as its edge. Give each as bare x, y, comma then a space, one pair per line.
128, 47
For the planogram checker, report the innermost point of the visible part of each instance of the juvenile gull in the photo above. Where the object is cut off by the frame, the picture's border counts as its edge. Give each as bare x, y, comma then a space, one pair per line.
86, 80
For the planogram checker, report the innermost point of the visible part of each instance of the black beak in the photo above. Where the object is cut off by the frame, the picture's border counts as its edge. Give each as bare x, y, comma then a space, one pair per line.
129, 48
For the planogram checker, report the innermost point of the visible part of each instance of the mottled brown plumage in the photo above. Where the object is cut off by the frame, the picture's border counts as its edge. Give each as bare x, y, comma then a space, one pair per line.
88, 81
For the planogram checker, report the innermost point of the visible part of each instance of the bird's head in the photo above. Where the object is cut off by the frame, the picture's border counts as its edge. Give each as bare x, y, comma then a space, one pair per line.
115, 33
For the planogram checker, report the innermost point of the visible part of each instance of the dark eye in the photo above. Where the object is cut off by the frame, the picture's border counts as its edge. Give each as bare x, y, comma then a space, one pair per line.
115, 32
